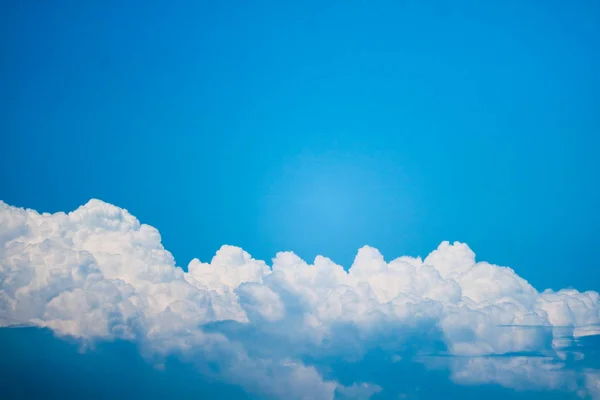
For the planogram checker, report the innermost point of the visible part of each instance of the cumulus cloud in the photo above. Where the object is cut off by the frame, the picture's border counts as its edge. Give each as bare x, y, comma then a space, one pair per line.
97, 273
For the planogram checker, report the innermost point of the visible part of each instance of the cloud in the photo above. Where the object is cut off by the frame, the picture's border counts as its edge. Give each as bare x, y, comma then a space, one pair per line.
98, 274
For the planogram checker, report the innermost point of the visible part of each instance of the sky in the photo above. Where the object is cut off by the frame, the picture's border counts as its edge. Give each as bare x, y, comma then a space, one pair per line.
316, 127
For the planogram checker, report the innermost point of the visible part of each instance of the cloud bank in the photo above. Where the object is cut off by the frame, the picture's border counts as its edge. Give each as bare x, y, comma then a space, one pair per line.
98, 274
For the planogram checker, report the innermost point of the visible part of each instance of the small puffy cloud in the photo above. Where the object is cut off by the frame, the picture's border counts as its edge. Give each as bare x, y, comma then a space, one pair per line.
97, 273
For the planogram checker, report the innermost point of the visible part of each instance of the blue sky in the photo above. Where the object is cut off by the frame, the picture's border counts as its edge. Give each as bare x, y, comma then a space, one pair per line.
401, 125
316, 127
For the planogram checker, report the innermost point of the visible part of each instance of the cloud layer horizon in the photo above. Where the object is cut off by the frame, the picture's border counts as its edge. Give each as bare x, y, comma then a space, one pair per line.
98, 274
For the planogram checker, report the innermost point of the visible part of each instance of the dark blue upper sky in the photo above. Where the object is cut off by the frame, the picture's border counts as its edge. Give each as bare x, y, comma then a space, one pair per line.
316, 127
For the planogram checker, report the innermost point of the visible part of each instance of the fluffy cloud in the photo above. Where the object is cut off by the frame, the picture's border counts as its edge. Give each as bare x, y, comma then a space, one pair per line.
98, 274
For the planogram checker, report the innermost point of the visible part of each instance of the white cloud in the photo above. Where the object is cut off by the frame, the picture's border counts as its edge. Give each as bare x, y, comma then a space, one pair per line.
97, 273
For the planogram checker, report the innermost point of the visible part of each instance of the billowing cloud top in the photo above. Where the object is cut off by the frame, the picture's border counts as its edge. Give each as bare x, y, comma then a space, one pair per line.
98, 274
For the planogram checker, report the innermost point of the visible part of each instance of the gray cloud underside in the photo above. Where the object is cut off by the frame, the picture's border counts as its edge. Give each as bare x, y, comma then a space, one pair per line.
98, 274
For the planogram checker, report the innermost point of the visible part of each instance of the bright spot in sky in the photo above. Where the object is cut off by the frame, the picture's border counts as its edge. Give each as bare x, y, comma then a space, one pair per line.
332, 195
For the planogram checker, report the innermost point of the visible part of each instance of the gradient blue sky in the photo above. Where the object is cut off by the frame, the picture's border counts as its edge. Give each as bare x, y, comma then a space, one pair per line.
316, 127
